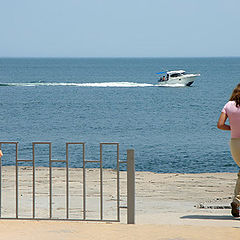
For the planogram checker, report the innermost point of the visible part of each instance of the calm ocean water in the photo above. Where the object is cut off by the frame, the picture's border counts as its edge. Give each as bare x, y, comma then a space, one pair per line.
115, 100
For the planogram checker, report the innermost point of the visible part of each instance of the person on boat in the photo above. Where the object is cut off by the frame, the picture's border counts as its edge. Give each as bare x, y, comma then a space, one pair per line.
231, 111
163, 78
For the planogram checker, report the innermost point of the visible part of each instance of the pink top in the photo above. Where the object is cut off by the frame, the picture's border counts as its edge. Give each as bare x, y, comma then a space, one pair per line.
233, 114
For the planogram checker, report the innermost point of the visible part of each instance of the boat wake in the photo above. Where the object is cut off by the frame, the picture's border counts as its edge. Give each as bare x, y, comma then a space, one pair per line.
102, 84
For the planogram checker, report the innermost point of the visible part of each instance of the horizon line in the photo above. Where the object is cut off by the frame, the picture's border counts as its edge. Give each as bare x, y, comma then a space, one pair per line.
118, 57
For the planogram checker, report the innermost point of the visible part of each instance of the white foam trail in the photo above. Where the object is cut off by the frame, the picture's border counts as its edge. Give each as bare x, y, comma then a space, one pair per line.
102, 84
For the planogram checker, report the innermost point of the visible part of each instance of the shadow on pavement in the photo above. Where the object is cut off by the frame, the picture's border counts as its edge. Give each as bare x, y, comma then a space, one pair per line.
213, 217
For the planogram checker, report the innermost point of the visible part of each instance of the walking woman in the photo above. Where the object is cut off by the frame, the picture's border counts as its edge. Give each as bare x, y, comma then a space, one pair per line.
232, 111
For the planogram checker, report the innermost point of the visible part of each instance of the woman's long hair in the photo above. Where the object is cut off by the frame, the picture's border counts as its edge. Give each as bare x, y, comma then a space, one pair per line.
236, 95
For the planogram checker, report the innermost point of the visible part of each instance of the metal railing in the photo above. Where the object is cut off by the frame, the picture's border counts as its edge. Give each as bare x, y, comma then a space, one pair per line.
130, 182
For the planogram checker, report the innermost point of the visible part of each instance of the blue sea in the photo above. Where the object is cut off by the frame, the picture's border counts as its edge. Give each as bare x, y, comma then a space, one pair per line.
93, 100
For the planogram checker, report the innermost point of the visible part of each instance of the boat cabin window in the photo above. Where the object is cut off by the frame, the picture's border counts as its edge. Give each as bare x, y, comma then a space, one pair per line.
175, 75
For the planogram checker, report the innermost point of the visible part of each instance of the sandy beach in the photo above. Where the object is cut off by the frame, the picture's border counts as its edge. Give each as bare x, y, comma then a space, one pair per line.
168, 206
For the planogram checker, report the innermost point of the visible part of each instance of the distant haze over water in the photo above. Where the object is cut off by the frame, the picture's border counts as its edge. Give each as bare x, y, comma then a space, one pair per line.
97, 100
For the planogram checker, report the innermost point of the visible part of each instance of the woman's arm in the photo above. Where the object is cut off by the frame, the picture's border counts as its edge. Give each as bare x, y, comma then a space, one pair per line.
1, 154
221, 122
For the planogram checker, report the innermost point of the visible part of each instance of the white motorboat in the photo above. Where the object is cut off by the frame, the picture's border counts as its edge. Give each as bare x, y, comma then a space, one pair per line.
176, 78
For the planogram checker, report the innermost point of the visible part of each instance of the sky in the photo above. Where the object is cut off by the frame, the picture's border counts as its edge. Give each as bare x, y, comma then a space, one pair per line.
124, 28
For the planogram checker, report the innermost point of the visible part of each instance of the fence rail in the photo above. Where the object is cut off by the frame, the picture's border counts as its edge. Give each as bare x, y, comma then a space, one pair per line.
130, 182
